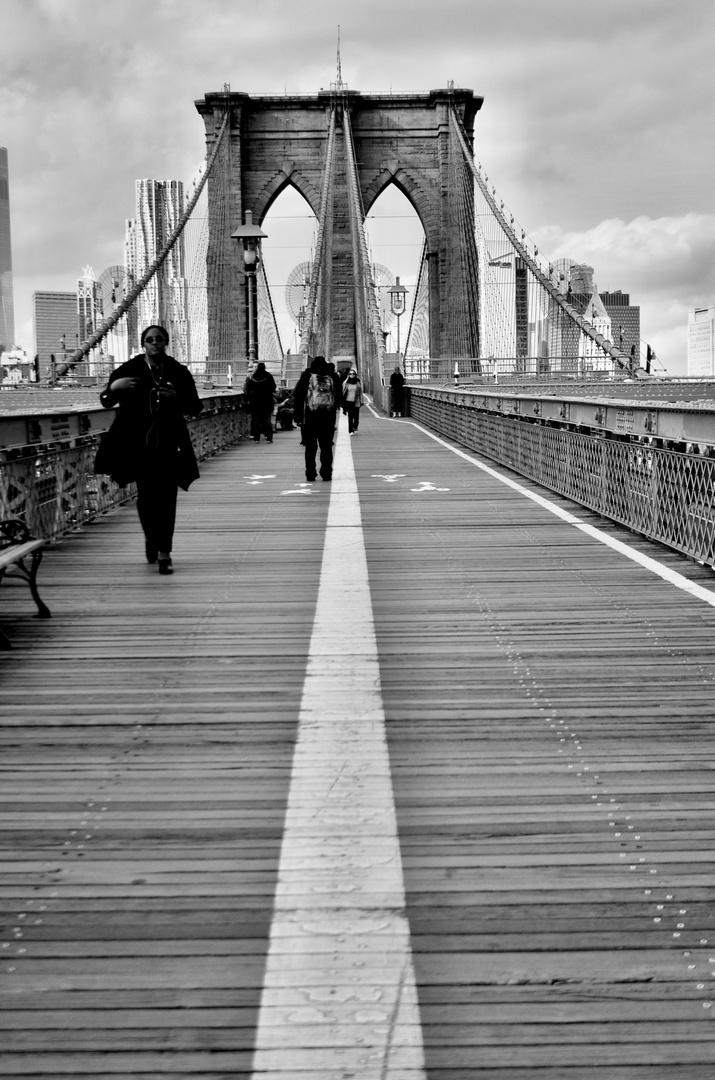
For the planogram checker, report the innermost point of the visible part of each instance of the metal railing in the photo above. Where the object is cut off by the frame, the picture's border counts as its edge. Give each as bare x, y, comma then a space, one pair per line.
665, 495
54, 490
492, 368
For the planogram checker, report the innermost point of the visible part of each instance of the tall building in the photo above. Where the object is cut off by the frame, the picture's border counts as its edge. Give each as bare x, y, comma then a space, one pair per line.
55, 326
611, 313
596, 314
701, 341
159, 205
90, 315
577, 351
625, 323
7, 309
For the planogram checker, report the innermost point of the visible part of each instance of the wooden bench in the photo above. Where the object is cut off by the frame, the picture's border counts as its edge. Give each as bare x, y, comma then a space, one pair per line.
17, 546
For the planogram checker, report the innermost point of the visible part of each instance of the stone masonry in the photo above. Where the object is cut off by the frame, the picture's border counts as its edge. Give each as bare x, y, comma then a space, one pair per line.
400, 139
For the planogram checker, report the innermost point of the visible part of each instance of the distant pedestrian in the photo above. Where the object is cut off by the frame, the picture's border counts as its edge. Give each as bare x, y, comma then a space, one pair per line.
149, 442
259, 389
397, 392
352, 400
315, 400
337, 378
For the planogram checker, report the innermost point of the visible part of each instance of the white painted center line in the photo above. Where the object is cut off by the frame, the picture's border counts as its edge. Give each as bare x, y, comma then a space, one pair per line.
339, 997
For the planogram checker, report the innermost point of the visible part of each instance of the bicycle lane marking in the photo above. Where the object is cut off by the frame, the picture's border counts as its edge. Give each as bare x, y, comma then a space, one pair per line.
648, 563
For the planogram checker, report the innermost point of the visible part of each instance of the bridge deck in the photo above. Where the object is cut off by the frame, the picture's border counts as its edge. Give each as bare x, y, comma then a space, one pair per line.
547, 774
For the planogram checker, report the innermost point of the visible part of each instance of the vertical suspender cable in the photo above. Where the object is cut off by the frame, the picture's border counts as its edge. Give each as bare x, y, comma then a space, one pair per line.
420, 273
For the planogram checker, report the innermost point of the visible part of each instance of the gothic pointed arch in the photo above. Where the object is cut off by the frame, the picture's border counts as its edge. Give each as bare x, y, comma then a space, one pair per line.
287, 176
415, 194
403, 139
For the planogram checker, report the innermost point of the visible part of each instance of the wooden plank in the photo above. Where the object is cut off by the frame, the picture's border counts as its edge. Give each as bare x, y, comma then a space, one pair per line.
550, 724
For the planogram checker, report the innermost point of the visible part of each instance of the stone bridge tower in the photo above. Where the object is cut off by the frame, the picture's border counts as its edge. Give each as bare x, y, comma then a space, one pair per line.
401, 139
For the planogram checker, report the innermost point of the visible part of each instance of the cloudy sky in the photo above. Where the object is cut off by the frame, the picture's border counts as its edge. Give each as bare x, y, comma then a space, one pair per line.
597, 123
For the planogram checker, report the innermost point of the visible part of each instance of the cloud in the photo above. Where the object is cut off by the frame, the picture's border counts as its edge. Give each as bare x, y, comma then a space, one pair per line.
591, 114
659, 256
667, 265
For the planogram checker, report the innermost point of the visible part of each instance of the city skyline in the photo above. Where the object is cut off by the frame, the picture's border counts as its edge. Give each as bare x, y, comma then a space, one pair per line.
598, 152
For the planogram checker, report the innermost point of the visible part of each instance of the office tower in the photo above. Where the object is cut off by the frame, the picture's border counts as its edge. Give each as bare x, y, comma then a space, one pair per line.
55, 325
159, 205
625, 323
701, 341
90, 315
574, 350
7, 311
611, 313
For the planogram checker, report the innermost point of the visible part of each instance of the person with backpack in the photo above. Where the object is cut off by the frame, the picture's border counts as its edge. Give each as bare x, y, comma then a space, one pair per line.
315, 403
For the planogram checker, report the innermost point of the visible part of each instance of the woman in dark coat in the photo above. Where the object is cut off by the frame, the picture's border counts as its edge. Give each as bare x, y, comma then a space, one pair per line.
149, 442
397, 384
259, 389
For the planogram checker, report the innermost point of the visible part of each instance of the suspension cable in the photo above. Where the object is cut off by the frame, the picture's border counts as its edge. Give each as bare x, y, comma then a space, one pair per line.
358, 215
107, 324
268, 324
418, 293
585, 326
321, 238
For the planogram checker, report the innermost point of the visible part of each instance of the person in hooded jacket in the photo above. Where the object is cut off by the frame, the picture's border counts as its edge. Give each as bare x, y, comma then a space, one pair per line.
352, 400
149, 442
317, 425
259, 389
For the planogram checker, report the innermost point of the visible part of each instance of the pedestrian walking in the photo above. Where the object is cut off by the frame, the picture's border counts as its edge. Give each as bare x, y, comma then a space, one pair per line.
315, 401
337, 378
149, 443
259, 389
397, 392
352, 400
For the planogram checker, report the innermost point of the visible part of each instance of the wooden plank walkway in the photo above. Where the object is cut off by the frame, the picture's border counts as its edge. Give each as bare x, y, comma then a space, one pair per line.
549, 719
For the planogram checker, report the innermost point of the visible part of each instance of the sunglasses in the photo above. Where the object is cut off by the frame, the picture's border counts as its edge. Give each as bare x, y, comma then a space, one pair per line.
154, 340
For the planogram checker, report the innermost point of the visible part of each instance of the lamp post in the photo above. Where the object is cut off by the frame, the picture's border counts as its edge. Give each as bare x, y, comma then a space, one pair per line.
299, 332
250, 237
397, 306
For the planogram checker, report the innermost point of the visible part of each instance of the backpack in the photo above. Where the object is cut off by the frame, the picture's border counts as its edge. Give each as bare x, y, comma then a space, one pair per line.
321, 393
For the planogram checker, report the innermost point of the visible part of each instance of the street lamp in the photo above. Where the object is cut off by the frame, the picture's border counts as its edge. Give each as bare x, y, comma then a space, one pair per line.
250, 236
397, 306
